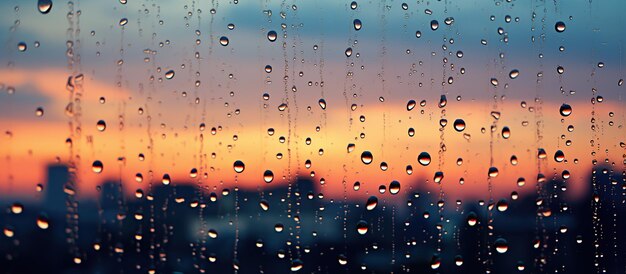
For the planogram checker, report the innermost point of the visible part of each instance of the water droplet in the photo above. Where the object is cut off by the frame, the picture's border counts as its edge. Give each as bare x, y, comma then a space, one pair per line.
559, 26
357, 24
565, 110
459, 125
410, 105
372, 202
472, 219
362, 227
39, 112
296, 265
394, 187
123, 22
272, 36
97, 166
170, 74
17, 208
21, 46
268, 176
101, 125
513, 74
434, 25
506, 132
239, 166
353, 5
501, 245
224, 41
44, 6
322, 103
493, 172
166, 180
43, 222
559, 156
367, 157
424, 158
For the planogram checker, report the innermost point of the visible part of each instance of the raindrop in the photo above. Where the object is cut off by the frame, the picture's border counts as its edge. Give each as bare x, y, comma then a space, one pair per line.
501, 245
459, 125
21, 46
559, 156
506, 133
43, 222
559, 26
357, 24
224, 41
101, 125
268, 176
44, 6
367, 157
97, 166
434, 25
394, 187
322, 103
239, 166
565, 110
362, 227
372, 202
169, 74
513, 74
271, 36
424, 158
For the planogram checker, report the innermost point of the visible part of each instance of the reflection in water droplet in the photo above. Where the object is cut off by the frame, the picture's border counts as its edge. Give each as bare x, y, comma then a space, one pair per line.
372, 202
272, 36
565, 110
362, 227
501, 245
434, 25
101, 125
394, 187
97, 166
367, 157
424, 158
21, 46
268, 176
224, 41
357, 24
322, 103
559, 156
559, 26
239, 166
459, 125
44, 6
43, 222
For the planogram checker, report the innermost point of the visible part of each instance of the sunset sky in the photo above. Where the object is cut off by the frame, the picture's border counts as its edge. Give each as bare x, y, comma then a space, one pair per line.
388, 67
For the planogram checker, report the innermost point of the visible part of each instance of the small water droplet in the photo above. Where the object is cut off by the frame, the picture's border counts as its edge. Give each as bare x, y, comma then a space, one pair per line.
239, 166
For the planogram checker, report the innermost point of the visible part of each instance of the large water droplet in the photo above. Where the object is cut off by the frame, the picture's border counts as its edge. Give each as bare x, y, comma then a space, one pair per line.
357, 24
272, 36
268, 176
44, 6
559, 26
424, 158
565, 110
97, 166
239, 166
434, 25
224, 41
367, 157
